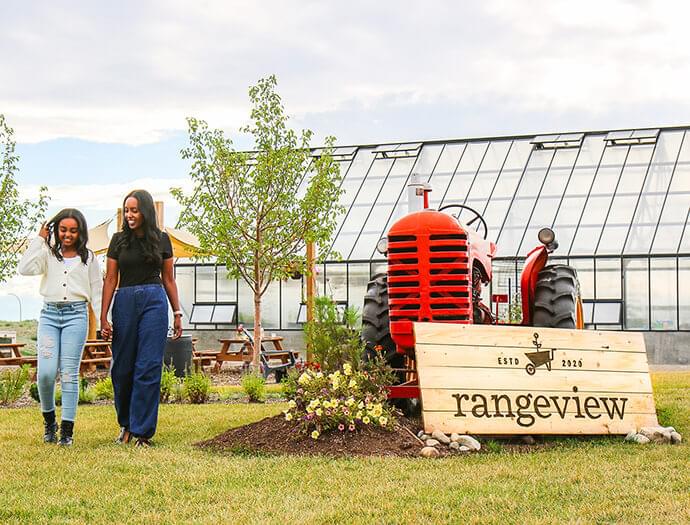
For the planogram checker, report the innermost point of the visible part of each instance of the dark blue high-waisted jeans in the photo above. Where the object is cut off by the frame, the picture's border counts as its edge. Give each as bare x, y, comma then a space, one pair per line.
140, 327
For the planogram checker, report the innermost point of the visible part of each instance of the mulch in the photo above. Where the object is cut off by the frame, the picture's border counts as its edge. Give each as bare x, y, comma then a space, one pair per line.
274, 435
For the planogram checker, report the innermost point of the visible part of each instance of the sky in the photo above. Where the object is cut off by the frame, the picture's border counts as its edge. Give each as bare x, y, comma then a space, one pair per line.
98, 92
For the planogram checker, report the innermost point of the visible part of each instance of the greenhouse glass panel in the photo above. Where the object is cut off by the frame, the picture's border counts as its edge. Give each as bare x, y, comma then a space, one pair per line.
306, 179
245, 304
353, 181
354, 220
650, 205
585, 275
488, 172
227, 287
607, 313
291, 298
358, 278
445, 169
464, 175
672, 223
586, 167
636, 290
379, 213
512, 171
684, 298
515, 224
336, 281
664, 297
205, 284
184, 278
270, 307
608, 279
427, 160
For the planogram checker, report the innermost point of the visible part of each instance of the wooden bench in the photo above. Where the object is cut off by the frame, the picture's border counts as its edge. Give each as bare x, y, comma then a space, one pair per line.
15, 355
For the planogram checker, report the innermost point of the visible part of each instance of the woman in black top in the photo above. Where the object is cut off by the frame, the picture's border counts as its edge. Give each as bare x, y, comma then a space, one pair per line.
140, 256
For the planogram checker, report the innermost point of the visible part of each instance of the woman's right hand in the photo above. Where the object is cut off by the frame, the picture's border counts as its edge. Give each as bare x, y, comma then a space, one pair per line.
43, 232
106, 329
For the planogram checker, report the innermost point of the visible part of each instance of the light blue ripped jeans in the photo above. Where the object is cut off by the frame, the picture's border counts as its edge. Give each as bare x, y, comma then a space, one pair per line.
62, 330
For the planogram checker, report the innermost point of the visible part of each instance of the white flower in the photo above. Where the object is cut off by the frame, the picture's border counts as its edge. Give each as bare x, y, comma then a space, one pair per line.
292, 403
288, 416
383, 420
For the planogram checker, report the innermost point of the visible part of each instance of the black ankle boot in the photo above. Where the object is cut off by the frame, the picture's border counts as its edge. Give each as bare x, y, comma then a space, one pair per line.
66, 428
50, 427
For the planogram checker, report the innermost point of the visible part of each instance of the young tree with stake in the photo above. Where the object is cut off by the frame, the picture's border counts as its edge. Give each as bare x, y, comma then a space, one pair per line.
250, 209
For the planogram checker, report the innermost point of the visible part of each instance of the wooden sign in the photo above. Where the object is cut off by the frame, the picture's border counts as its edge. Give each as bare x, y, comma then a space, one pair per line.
479, 379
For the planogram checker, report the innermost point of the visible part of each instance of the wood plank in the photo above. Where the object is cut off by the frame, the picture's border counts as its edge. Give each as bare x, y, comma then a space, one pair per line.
507, 380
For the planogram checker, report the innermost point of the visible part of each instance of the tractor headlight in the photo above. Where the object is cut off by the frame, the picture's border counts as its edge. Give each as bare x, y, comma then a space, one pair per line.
382, 245
546, 236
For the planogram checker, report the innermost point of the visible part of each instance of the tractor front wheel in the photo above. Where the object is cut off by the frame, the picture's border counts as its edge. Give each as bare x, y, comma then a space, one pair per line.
376, 330
556, 297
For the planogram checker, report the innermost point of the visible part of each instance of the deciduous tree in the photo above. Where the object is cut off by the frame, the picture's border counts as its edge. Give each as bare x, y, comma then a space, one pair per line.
256, 211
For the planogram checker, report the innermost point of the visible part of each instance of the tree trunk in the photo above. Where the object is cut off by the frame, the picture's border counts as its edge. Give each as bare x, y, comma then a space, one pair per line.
257, 331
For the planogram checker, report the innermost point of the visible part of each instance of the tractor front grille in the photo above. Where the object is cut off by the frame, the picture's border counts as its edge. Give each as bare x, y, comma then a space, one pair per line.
429, 278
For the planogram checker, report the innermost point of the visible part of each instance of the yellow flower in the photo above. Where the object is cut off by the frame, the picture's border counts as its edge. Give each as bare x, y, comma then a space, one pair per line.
366, 420
319, 374
304, 379
350, 401
309, 410
292, 403
319, 412
315, 434
347, 368
288, 416
352, 383
360, 404
383, 420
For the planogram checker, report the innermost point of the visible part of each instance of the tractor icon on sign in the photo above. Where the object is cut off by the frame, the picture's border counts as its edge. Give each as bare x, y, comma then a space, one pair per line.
538, 358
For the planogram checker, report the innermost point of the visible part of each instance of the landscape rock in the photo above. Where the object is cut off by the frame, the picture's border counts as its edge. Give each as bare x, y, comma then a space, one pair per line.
454, 437
420, 434
469, 442
429, 452
464, 448
440, 437
676, 438
454, 446
660, 435
528, 440
641, 439
431, 442
631, 436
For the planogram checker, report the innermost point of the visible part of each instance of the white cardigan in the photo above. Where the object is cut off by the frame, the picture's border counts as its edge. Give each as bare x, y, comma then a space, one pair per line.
62, 283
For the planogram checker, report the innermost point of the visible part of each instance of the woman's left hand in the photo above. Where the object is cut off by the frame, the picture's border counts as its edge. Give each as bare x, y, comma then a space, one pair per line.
177, 327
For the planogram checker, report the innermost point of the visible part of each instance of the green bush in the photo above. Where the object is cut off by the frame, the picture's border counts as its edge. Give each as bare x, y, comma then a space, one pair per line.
33, 392
168, 382
103, 389
254, 386
332, 336
12, 384
197, 387
86, 394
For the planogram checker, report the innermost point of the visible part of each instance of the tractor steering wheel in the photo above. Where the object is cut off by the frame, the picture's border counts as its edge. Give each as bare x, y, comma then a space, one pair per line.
476, 216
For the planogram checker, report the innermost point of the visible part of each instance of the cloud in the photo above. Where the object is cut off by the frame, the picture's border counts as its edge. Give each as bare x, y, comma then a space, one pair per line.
129, 72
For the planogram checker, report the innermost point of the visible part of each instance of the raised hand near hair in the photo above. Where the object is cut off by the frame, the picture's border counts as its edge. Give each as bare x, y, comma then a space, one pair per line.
43, 232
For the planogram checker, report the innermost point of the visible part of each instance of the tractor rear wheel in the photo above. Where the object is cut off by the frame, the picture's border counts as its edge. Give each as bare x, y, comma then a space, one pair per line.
376, 330
556, 297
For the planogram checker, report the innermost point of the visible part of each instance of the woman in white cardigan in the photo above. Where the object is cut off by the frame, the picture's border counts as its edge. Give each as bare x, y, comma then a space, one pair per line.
71, 278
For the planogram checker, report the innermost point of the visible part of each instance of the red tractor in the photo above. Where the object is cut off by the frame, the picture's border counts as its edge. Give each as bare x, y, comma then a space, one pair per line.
437, 266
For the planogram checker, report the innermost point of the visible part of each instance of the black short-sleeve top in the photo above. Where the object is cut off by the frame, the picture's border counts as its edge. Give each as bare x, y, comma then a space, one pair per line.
134, 269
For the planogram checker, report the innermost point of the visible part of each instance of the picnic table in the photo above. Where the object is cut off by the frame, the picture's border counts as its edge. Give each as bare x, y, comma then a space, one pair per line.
239, 349
96, 352
15, 356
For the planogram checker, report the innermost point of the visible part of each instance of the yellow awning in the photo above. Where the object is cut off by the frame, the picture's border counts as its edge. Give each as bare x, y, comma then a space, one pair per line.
98, 238
184, 243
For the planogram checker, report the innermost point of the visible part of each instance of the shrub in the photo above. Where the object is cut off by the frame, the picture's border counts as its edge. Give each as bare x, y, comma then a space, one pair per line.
344, 400
103, 389
168, 382
332, 336
254, 386
197, 387
12, 384
33, 392
87, 395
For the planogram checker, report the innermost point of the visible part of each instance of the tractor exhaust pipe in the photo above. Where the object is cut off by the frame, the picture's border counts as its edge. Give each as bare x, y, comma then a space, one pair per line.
417, 194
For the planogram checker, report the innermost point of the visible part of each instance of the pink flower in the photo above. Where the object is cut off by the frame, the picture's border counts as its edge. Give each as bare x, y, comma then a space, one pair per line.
345, 411
310, 416
328, 412
341, 427
351, 428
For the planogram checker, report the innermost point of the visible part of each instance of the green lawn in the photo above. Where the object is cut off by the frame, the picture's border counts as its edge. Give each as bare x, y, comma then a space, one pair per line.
602, 480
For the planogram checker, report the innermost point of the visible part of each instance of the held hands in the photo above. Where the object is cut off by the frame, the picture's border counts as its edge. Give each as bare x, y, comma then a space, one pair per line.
106, 329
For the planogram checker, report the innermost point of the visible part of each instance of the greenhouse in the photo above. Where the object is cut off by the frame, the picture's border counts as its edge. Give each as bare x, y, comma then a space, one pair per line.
617, 200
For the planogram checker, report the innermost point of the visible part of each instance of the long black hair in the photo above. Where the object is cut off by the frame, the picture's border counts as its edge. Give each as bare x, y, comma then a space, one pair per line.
150, 242
54, 232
